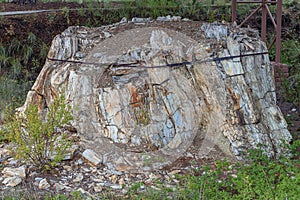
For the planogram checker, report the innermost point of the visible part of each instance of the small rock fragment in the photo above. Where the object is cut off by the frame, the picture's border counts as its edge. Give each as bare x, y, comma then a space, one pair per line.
168, 18
176, 171
9, 172
215, 30
124, 191
67, 168
123, 20
138, 20
79, 162
85, 169
175, 180
44, 184
85, 193
4, 152
123, 167
98, 188
58, 187
78, 178
91, 157
38, 179
12, 181
155, 188
116, 187
113, 178
107, 34
121, 181
70, 152
12, 162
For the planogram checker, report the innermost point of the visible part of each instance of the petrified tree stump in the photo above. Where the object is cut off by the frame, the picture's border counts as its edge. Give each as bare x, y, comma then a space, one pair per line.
136, 116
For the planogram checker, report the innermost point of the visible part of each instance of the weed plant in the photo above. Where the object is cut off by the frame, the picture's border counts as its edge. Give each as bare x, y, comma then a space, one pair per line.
66, 13
16, 77
291, 56
38, 140
260, 178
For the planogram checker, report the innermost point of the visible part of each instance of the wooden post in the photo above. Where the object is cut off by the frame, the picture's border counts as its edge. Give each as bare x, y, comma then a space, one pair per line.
233, 11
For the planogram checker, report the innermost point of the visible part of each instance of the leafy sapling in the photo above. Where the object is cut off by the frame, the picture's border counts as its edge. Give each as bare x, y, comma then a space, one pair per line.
39, 141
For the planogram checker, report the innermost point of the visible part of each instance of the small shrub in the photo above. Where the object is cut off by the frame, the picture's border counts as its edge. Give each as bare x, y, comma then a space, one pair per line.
66, 13
262, 178
290, 55
38, 141
31, 38
27, 53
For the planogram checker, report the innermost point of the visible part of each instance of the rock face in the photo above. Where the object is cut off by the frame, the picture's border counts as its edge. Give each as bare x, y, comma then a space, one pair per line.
137, 115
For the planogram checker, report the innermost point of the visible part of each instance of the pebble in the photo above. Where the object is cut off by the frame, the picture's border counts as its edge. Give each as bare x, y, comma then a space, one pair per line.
12, 181
176, 171
10, 172
85, 169
121, 181
234, 175
78, 178
38, 179
107, 34
58, 187
116, 187
44, 184
139, 20
98, 188
91, 157
67, 168
82, 191
155, 188
79, 162
12, 161
4, 152
123, 20
113, 178
175, 181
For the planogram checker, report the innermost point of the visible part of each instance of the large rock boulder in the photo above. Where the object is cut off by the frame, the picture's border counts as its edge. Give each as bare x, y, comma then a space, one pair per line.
136, 115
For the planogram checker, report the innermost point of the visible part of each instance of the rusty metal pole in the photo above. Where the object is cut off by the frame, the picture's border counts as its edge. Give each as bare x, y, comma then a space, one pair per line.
233, 11
281, 70
278, 31
264, 22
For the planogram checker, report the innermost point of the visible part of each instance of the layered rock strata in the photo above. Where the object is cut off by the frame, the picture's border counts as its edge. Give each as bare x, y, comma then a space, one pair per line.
138, 111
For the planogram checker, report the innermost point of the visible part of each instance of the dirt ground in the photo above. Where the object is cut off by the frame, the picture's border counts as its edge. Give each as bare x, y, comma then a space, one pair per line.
5, 7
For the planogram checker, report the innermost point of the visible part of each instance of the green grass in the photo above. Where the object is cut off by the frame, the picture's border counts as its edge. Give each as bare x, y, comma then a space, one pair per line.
262, 178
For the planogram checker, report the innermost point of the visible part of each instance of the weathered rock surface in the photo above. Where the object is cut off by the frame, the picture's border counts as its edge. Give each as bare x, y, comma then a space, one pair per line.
91, 157
136, 116
13, 176
43, 184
